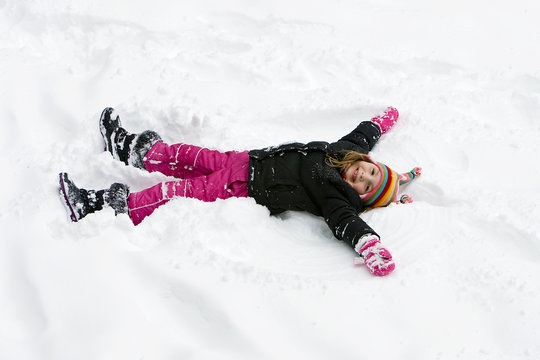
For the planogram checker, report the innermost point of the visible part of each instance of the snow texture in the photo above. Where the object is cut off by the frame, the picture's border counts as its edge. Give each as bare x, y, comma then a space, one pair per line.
225, 280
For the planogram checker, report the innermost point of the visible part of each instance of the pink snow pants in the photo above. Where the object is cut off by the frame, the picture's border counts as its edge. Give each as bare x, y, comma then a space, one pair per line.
203, 174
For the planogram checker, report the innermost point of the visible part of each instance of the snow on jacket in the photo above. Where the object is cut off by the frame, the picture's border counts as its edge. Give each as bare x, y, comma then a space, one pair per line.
296, 176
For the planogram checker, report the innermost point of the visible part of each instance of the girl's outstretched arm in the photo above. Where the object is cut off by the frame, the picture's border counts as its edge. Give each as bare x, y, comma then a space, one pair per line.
346, 225
367, 133
362, 139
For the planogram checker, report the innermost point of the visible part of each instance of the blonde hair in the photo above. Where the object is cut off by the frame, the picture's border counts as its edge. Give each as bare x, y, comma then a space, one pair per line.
348, 157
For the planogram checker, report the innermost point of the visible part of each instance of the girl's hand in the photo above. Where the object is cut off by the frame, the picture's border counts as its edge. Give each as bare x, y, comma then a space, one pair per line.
378, 259
417, 171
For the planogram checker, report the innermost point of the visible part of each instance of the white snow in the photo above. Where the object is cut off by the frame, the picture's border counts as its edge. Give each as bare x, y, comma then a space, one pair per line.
225, 280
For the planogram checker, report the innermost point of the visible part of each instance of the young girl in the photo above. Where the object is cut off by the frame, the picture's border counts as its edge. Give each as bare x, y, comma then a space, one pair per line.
334, 180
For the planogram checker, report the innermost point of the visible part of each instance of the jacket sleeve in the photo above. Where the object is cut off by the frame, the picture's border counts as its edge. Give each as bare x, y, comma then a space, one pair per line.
343, 220
363, 138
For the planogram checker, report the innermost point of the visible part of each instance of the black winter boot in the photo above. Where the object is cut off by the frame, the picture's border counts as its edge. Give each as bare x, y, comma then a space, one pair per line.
81, 202
124, 146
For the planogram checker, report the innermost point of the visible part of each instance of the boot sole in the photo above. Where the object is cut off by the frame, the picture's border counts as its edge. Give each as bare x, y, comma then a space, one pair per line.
102, 129
67, 204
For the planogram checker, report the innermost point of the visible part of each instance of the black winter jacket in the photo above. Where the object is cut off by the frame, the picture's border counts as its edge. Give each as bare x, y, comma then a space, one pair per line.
296, 177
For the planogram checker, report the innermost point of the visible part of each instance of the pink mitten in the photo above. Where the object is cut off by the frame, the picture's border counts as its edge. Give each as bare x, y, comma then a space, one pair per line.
387, 119
377, 259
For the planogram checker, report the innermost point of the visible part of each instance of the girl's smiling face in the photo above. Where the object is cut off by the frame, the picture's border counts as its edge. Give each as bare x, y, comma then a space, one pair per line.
363, 176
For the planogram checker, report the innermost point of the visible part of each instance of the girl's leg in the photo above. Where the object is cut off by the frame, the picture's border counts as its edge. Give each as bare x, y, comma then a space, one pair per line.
188, 161
220, 184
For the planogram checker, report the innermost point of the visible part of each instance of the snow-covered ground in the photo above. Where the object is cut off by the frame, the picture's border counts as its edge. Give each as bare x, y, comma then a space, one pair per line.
225, 280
